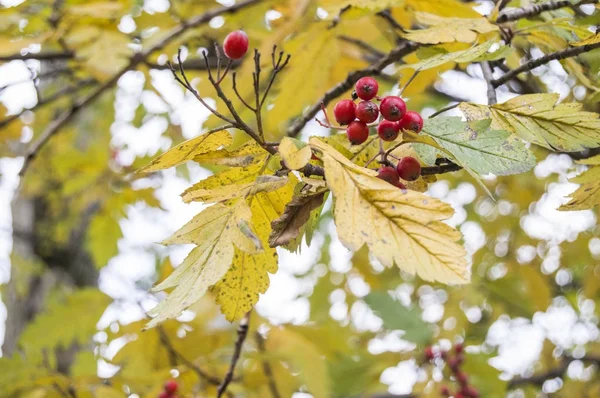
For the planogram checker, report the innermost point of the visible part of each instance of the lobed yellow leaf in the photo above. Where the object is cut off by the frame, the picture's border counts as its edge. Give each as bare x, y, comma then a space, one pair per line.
247, 277
447, 30
265, 183
295, 153
401, 227
587, 196
538, 118
247, 154
188, 150
215, 230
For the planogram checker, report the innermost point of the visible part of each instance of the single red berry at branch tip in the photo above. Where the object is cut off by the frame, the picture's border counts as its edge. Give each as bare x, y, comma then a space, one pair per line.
389, 174
366, 88
392, 108
171, 387
388, 131
458, 348
411, 121
408, 168
428, 351
357, 132
235, 45
367, 111
344, 112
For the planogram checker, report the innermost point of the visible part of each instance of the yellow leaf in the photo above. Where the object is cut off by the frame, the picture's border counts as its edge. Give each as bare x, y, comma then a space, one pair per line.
96, 9
248, 276
538, 119
303, 357
189, 149
593, 39
446, 30
261, 184
401, 227
247, 154
215, 230
105, 54
587, 196
295, 153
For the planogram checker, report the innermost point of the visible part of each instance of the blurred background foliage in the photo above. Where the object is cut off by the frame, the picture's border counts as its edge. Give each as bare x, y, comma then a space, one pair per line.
529, 319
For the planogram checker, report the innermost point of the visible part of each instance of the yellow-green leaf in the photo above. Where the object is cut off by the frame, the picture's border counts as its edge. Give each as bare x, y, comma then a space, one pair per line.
447, 30
458, 56
398, 226
247, 154
537, 118
593, 39
189, 149
587, 196
215, 230
261, 184
295, 153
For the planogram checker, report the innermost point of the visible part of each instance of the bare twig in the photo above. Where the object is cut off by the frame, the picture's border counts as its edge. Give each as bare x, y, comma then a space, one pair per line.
242, 333
534, 63
363, 45
396, 54
558, 371
260, 342
410, 80
41, 56
278, 66
335, 21
48, 100
488, 76
536, 9
34, 77
138, 58
448, 108
387, 16
176, 355
233, 78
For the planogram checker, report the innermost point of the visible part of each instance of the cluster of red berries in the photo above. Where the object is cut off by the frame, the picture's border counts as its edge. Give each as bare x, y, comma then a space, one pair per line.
358, 116
454, 360
235, 45
169, 390
390, 117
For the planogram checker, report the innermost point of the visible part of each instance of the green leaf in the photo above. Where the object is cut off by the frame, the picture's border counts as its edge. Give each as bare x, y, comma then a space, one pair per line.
396, 316
483, 150
537, 118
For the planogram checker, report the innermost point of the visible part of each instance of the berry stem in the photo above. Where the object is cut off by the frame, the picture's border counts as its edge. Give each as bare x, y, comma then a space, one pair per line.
220, 78
389, 151
414, 75
234, 75
448, 108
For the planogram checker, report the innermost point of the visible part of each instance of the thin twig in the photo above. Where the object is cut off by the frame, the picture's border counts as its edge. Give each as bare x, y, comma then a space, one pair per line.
137, 59
534, 63
257, 102
363, 45
260, 342
448, 108
42, 56
48, 100
34, 77
558, 371
242, 333
396, 54
235, 90
410, 80
387, 16
174, 354
335, 21
537, 9
488, 76
277, 67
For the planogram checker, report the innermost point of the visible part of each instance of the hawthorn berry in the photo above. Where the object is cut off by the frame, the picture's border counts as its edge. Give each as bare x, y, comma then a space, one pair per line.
459, 395
458, 348
444, 355
411, 121
445, 391
388, 131
400, 185
462, 378
389, 174
470, 391
235, 45
367, 111
357, 132
453, 364
409, 168
171, 387
428, 352
344, 112
366, 88
460, 358
392, 108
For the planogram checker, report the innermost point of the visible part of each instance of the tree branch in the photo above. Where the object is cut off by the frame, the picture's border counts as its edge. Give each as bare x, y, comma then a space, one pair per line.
137, 59
363, 45
48, 100
174, 354
401, 50
536, 9
534, 63
42, 56
558, 371
488, 76
260, 342
442, 166
242, 333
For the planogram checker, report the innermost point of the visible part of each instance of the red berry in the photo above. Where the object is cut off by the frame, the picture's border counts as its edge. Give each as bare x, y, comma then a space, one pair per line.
236, 44
388, 131
392, 108
459, 395
458, 348
366, 88
400, 185
171, 387
411, 121
164, 394
462, 378
409, 168
445, 391
470, 392
344, 112
367, 111
454, 365
460, 358
444, 354
428, 352
389, 174
357, 132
